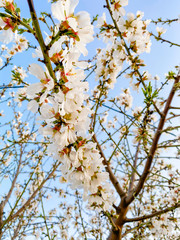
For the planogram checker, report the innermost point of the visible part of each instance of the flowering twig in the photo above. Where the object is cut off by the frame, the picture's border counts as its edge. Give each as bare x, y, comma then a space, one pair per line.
164, 40
40, 39
168, 21
154, 146
126, 47
154, 214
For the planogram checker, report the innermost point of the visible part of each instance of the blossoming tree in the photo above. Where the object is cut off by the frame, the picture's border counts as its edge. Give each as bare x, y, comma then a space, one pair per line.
66, 171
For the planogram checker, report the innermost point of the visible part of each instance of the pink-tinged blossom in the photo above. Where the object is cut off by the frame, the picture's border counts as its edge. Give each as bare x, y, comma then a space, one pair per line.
137, 113
63, 9
46, 83
7, 26
160, 30
117, 8
125, 99
78, 25
101, 21
21, 42
4, 2
85, 169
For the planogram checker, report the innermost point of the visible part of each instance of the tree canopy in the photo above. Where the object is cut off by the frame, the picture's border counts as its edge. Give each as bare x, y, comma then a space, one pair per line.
89, 142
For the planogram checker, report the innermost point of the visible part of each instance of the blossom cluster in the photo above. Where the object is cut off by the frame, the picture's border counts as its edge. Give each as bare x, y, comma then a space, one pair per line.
61, 104
9, 33
126, 38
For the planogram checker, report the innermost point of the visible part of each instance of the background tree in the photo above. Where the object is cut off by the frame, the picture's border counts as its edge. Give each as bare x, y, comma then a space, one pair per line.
86, 164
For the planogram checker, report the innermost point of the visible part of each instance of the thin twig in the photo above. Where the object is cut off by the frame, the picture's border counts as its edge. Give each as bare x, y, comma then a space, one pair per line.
134, 167
154, 214
109, 170
40, 39
154, 145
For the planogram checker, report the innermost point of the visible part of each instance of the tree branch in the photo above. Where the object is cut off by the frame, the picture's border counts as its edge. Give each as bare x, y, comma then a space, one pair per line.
26, 204
157, 213
109, 170
134, 167
158, 38
40, 39
14, 180
154, 146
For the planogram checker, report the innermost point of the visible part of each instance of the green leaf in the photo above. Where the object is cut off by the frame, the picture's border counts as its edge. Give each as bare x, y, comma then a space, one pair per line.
27, 20
21, 30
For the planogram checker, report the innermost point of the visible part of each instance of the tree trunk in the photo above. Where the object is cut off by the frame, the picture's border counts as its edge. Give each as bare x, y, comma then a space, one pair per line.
116, 234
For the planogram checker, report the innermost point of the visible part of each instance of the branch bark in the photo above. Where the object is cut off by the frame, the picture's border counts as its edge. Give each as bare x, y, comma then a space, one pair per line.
157, 213
154, 146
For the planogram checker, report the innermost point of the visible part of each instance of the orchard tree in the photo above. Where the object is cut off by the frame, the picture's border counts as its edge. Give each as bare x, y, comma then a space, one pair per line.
88, 142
